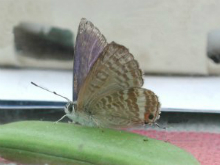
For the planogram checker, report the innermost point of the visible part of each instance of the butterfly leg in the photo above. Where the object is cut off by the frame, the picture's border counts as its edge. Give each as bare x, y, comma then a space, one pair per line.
161, 127
74, 122
71, 122
94, 120
97, 123
60, 119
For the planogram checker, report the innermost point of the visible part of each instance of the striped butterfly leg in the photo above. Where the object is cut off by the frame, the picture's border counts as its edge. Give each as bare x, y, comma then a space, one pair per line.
126, 108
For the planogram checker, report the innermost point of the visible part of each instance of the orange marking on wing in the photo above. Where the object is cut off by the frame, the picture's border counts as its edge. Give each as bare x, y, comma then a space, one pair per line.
146, 116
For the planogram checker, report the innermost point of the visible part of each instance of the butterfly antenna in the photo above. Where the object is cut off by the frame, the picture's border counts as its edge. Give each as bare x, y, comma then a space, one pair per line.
159, 126
51, 91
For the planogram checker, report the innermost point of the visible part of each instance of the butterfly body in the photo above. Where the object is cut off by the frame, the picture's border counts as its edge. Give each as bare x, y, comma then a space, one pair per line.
123, 108
108, 84
82, 117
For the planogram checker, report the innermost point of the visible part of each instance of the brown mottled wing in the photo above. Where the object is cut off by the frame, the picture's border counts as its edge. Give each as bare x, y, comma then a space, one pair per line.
112, 92
89, 44
114, 70
134, 106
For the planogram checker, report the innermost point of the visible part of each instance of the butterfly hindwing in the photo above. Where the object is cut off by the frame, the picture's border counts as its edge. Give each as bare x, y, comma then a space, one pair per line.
89, 44
134, 106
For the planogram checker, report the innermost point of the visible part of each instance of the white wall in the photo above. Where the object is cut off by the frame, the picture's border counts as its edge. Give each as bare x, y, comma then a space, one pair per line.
165, 36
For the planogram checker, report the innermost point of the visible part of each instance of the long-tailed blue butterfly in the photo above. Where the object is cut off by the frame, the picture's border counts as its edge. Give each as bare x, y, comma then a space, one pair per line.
107, 84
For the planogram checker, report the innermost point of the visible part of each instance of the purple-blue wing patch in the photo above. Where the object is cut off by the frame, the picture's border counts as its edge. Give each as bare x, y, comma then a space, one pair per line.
89, 45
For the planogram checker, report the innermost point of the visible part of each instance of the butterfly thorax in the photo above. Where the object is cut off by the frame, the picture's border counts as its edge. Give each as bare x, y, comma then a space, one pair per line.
78, 116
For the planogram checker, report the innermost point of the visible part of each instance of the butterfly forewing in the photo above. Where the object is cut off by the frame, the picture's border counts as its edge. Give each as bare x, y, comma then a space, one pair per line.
89, 44
114, 70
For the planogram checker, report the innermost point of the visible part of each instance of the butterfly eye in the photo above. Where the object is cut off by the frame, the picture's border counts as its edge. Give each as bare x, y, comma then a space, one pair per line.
70, 107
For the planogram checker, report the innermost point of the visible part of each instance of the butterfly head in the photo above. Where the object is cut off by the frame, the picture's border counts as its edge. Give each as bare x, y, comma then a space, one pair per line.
70, 108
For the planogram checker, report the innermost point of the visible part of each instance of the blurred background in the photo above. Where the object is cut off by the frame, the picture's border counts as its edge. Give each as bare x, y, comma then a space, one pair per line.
177, 44
166, 37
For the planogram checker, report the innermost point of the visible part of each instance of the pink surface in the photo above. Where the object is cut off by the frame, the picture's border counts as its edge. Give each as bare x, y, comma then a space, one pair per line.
204, 146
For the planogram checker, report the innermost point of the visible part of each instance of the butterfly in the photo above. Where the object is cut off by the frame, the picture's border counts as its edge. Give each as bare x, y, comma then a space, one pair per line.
107, 84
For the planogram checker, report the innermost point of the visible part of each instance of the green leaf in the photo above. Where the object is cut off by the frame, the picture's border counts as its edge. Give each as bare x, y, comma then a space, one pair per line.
37, 142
